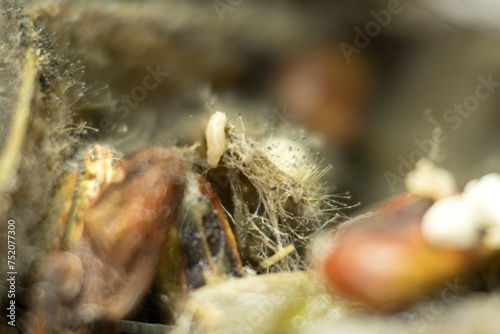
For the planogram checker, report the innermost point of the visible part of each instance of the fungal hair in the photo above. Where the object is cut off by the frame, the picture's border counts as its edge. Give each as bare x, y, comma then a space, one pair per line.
293, 206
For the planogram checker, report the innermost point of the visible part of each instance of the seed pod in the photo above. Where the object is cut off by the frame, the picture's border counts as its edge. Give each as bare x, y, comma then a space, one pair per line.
382, 260
107, 264
201, 248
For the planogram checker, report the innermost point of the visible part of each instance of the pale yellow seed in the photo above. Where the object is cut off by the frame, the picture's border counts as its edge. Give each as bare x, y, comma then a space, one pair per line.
216, 138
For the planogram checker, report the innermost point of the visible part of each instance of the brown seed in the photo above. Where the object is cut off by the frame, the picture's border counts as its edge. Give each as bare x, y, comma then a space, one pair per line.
383, 261
120, 240
65, 273
201, 248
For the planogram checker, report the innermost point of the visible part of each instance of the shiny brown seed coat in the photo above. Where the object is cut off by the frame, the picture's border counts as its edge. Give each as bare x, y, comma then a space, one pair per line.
382, 260
119, 248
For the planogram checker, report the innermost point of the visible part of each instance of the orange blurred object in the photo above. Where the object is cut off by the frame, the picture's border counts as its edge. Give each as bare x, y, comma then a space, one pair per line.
383, 261
326, 93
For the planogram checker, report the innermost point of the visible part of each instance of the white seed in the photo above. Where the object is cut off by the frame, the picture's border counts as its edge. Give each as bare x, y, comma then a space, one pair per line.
452, 222
485, 194
491, 239
458, 221
430, 181
216, 138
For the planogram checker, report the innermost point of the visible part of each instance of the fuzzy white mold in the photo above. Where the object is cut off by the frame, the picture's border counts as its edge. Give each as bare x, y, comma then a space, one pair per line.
216, 138
459, 221
430, 181
289, 156
451, 223
485, 194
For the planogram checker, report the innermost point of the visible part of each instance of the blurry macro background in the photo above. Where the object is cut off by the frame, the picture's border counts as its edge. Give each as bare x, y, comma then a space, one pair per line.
361, 84
358, 76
